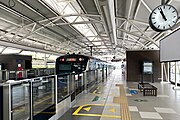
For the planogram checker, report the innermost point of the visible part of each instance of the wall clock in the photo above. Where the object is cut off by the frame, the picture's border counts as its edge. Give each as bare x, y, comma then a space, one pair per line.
163, 17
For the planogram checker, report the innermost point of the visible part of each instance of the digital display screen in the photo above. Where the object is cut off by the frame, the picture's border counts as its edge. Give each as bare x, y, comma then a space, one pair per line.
71, 59
148, 67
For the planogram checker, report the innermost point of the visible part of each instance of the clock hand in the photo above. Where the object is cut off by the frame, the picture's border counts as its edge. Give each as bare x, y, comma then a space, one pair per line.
162, 13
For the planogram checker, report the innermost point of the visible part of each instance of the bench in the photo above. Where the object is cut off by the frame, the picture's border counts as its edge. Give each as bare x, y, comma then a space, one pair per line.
147, 89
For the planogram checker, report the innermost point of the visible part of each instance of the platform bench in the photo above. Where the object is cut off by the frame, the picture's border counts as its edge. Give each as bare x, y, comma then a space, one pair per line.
147, 89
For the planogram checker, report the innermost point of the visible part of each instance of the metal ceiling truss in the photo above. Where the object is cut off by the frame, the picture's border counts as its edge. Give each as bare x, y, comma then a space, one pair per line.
89, 17
34, 23
3, 50
150, 39
135, 33
26, 27
128, 16
127, 32
20, 28
92, 19
133, 40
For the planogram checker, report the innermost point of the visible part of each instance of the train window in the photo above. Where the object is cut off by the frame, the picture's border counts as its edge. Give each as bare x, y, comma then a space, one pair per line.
65, 67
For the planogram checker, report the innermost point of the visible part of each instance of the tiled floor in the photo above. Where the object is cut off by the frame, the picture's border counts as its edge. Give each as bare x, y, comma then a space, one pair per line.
164, 106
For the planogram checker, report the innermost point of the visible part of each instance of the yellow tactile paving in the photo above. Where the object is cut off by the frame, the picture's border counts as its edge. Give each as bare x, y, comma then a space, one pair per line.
122, 100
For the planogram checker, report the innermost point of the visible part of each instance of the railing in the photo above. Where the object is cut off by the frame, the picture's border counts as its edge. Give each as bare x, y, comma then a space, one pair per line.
23, 74
38, 98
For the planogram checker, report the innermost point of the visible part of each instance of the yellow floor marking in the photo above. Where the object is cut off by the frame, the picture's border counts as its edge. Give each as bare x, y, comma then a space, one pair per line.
76, 112
112, 110
87, 109
98, 115
94, 92
93, 115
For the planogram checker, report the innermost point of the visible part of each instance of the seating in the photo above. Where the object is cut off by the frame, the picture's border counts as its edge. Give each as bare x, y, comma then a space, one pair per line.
147, 89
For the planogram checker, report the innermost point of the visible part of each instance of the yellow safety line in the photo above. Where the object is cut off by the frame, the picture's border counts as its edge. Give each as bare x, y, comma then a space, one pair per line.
76, 112
98, 115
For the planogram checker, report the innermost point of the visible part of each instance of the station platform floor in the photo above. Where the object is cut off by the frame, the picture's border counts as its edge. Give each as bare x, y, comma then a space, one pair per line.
117, 99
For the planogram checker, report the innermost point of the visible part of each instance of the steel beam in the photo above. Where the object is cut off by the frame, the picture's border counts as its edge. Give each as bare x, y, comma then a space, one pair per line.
150, 39
136, 35
19, 46
147, 7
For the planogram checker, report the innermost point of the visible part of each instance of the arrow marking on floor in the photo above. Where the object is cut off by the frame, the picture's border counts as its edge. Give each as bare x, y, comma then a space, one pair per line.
87, 109
112, 110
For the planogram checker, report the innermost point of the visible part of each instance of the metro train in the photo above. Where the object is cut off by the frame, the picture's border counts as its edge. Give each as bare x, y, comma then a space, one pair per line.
76, 63
81, 66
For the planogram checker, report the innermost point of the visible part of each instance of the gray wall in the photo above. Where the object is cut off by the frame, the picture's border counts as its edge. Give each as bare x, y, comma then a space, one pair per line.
134, 65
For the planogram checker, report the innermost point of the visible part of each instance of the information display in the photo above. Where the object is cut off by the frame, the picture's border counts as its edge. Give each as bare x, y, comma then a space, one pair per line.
147, 67
71, 59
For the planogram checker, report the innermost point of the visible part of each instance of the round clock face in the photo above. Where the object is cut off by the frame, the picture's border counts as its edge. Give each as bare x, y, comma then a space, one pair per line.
163, 17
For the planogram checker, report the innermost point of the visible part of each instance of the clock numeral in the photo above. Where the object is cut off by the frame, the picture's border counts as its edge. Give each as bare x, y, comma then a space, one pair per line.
159, 8
173, 11
164, 7
169, 7
153, 17
154, 12
174, 16
154, 23
158, 26
169, 25
163, 27
174, 22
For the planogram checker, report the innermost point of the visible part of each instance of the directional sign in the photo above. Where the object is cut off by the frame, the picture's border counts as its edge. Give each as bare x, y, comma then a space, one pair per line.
96, 98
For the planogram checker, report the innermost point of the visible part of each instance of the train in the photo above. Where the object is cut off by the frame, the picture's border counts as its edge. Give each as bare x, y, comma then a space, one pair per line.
88, 72
77, 63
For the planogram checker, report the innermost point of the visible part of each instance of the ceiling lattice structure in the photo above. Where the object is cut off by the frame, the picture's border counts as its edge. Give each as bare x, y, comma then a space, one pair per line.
60, 26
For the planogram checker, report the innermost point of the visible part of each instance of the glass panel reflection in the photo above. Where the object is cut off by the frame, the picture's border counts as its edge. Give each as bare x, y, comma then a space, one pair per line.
20, 101
62, 87
43, 97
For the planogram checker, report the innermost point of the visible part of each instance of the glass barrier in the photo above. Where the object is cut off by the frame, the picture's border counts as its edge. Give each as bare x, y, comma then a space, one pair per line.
24, 74
20, 101
43, 97
62, 87
79, 83
35, 98
72, 83
99, 75
91, 79
72, 87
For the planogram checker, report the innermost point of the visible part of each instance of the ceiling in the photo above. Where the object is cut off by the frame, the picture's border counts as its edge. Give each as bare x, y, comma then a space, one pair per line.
110, 27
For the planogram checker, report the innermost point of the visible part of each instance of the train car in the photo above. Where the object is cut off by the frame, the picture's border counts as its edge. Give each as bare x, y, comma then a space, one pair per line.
76, 63
88, 72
